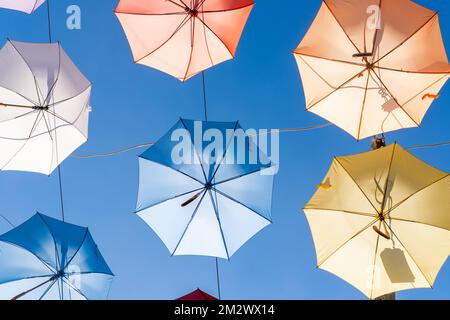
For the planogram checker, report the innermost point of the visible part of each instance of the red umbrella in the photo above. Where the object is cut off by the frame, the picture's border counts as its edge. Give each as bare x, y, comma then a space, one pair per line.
183, 37
197, 295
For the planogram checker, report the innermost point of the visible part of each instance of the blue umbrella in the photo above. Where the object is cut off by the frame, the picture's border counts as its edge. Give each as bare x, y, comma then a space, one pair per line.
48, 259
201, 198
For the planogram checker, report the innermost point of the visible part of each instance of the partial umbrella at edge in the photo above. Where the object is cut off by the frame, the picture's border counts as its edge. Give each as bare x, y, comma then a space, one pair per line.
183, 38
27, 6
44, 107
380, 221
47, 259
197, 295
372, 66
201, 203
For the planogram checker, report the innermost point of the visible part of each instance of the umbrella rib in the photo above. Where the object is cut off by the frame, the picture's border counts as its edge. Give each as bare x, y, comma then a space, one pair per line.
223, 10
342, 27
54, 241
240, 176
329, 59
21, 148
74, 288
424, 90
170, 199
363, 104
383, 205
240, 203
374, 265
215, 34
347, 241
408, 71
343, 211
37, 257
78, 250
180, 26
351, 177
149, 14
417, 192
406, 40
206, 39
189, 223
410, 255
20, 295
225, 151
376, 32
38, 90
48, 289
393, 97
216, 210
27, 278
335, 89
192, 47
196, 152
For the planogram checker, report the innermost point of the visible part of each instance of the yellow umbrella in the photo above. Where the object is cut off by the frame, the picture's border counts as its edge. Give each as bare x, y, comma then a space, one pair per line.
372, 66
380, 220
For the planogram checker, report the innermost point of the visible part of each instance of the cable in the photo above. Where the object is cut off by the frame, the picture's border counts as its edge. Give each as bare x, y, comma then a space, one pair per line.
113, 153
426, 146
7, 220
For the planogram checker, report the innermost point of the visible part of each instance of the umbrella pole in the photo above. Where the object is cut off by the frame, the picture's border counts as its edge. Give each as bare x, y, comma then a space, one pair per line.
218, 279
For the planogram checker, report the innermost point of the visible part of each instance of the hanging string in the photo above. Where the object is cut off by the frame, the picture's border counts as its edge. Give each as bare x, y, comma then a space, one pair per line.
204, 96
49, 22
218, 279
7, 220
61, 198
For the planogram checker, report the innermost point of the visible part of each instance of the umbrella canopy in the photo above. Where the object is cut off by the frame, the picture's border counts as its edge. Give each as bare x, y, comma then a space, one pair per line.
372, 66
204, 205
27, 6
183, 37
48, 259
197, 295
44, 107
380, 221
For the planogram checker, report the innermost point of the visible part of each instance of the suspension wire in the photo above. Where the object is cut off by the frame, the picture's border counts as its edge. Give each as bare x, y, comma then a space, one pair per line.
61, 198
287, 130
218, 279
204, 95
7, 220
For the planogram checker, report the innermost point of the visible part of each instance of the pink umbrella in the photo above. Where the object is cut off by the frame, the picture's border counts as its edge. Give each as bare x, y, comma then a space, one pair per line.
27, 6
183, 37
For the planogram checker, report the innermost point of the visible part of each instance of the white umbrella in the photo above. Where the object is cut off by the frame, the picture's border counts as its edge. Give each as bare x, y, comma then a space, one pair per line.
44, 107
27, 6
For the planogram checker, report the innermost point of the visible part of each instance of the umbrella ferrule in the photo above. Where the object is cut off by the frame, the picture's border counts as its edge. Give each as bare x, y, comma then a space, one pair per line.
41, 108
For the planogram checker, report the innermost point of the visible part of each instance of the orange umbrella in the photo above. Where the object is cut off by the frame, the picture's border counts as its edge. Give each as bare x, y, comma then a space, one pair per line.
372, 66
183, 37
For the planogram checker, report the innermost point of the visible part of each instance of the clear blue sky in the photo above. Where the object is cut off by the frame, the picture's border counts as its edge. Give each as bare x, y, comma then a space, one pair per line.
134, 104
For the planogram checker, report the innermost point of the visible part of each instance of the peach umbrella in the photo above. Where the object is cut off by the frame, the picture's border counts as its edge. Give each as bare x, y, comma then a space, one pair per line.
183, 37
372, 66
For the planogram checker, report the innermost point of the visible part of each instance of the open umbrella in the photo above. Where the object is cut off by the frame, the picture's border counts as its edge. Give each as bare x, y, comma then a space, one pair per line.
380, 221
44, 107
27, 6
48, 259
197, 295
372, 66
206, 203
183, 37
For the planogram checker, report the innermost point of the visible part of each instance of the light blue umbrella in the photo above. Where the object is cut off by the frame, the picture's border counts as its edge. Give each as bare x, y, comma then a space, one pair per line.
48, 259
201, 199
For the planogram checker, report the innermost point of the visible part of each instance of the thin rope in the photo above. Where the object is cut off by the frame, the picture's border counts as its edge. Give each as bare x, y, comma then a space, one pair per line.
204, 96
61, 197
113, 153
218, 279
287, 130
61, 193
49, 22
7, 220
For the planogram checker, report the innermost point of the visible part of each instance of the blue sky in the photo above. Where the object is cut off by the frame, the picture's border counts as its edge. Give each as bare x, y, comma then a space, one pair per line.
134, 104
